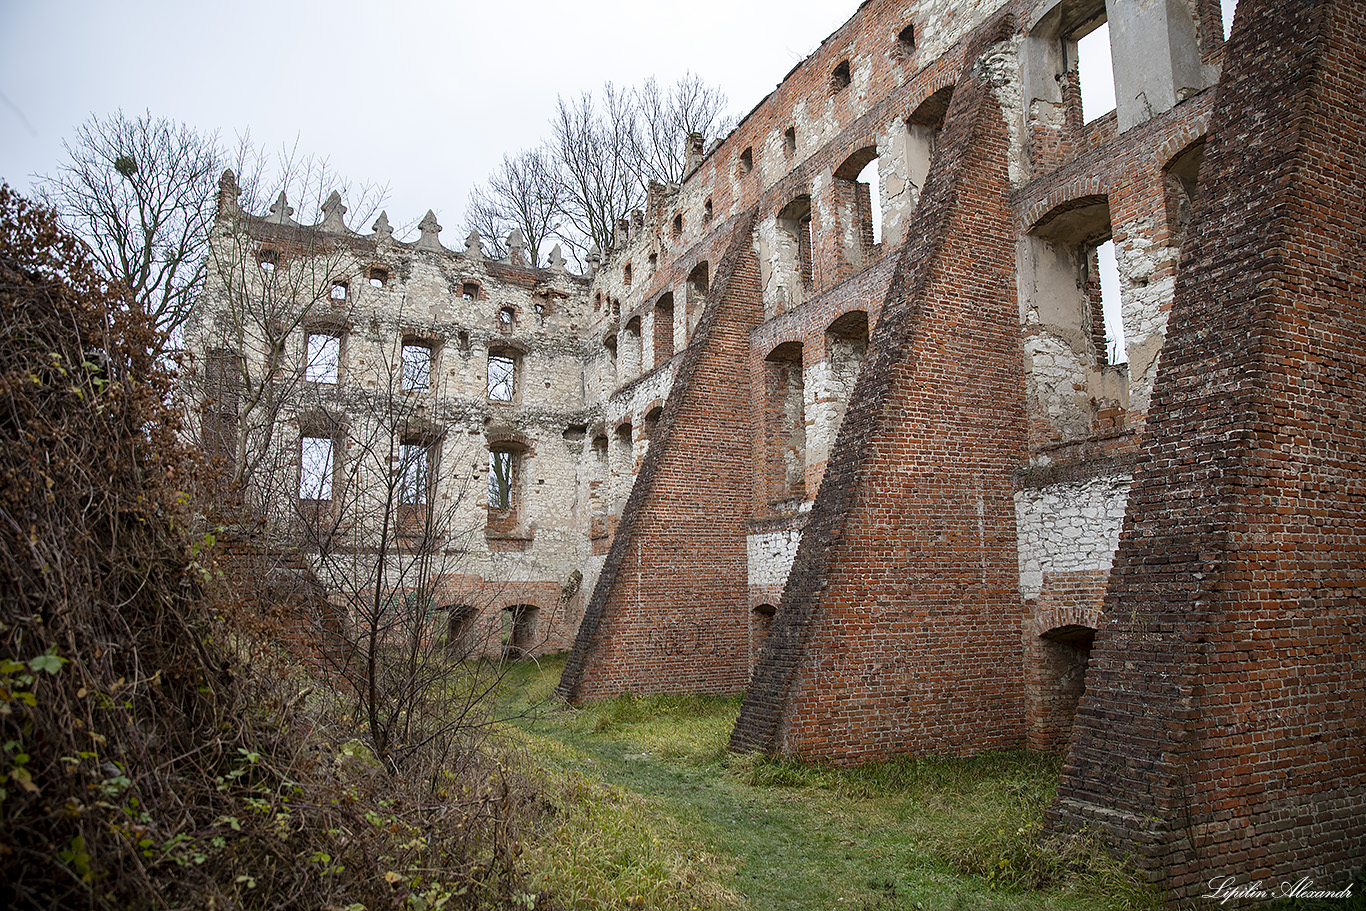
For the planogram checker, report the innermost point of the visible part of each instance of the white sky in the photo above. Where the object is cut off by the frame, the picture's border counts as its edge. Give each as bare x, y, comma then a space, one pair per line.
423, 96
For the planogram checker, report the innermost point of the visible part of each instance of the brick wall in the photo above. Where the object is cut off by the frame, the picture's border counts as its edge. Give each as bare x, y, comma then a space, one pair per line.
669, 613
908, 562
1220, 732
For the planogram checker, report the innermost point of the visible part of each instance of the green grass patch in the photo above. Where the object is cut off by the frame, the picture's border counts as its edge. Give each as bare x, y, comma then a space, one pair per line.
703, 828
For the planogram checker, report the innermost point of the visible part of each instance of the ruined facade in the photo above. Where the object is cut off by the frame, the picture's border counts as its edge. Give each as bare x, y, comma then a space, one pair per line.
851, 422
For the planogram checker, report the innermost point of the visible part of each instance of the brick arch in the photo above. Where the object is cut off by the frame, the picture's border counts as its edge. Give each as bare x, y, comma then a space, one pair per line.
1182, 138
1059, 212
1064, 193
821, 342
927, 106
1046, 620
507, 438
854, 162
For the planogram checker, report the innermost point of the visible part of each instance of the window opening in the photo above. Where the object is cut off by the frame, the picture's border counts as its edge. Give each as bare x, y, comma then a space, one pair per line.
707, 210
502, 377
379, 276
500, 479
1226, 9
414, 473
1110, 305
698, 282
785, 392
760, 623
664, 328
868, 179
794, 253
539, 308
905, 40
416, 371
746, 161
840, 78
469, 291
315, 468
339, 291
597, 302
790, 142
678, 226
323, 353
626, 275
1095, 73
268, 259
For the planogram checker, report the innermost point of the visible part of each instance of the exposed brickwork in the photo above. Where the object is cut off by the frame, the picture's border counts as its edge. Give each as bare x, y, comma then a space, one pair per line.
670, 606
1220, 732
909, 554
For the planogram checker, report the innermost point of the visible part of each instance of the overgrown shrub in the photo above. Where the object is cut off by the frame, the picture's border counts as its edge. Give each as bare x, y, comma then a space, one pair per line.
145, 763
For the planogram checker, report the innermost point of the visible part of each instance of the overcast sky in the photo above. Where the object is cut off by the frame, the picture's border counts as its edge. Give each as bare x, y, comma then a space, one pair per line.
423, 96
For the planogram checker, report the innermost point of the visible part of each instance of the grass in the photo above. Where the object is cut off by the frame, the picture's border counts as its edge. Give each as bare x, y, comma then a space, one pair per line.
649, 810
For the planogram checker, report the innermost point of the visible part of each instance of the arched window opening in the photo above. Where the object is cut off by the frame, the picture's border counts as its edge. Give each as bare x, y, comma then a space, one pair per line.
792, 261
1064, 653
840, 77
858, 206
631, 352
785, 423
664, 328
623, 465
846, 342
699, 283
905, 42
921, 140
760, 624
746, 161
460, 639
1181, 178
520, 631
1064, 300
652, 421
610, 343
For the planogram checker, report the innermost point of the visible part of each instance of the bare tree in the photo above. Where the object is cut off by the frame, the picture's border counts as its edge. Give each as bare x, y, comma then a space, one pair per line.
593, 151
524, 192
666, 118
139, 190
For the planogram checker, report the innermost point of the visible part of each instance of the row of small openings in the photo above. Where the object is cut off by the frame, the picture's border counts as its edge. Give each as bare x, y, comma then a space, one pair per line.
840, 78
612, 305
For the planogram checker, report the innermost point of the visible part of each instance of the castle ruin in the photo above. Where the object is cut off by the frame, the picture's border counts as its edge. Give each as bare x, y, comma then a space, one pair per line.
840, 422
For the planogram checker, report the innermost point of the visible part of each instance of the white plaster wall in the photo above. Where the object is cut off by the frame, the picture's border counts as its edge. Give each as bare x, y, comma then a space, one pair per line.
771, 555
1068, 527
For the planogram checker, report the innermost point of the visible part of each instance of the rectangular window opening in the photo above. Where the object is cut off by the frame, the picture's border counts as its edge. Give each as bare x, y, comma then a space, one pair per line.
414, 473
502, 376
416, 369
323, 358
500, 479
1110, 304
315, 468
1095, 73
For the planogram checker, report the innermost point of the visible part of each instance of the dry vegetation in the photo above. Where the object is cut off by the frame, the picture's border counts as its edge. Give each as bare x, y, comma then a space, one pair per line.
146, 762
